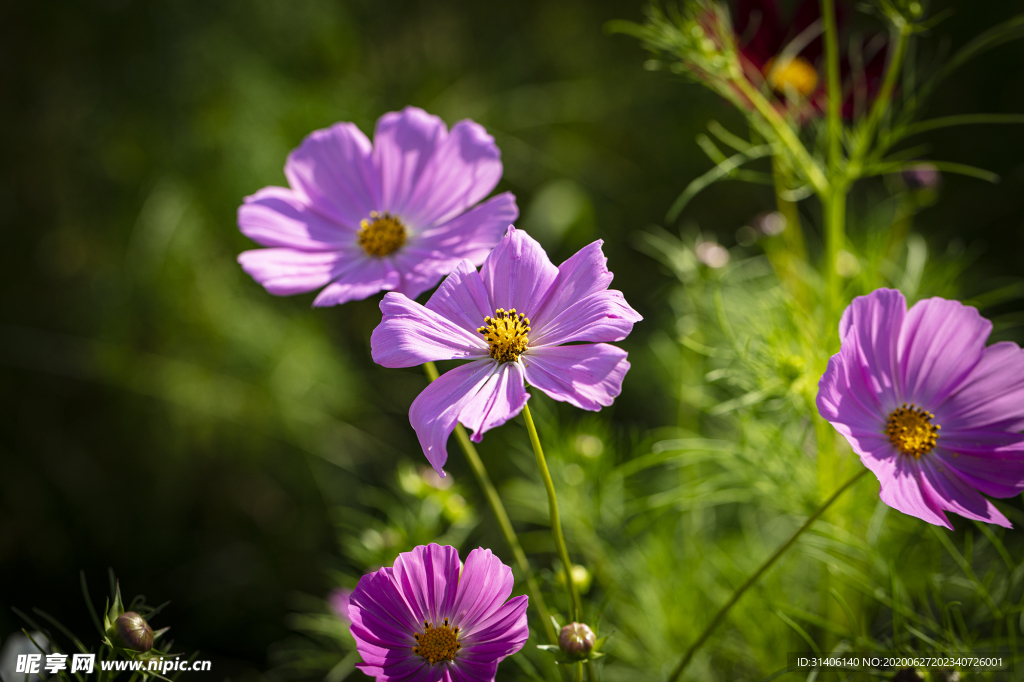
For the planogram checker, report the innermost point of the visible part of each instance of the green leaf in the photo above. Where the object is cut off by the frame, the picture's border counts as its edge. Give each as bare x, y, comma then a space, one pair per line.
944, 166
719, 172
963, 119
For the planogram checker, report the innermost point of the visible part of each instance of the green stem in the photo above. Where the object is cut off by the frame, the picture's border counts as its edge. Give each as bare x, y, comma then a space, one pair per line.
835, 96
720, 616
812, 171
579, 672
867, 129
834, 208
556, 524
484, 479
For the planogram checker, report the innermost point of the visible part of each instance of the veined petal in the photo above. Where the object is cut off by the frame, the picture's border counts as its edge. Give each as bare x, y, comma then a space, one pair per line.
411, 334
462, 670
485, 585
499, 399
503, 633
469, 236
518, 274
404, 145
940, 343
436, 410
953, 494
428, 577
992, 395
283, 272
869, 330
998, 476
462, 299
845, 399
365, 278
584, 273
333, 171
463, 169
901, 489
588, 376
276, 216
601, 316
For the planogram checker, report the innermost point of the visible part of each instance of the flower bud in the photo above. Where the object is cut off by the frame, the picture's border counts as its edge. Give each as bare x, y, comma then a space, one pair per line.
576, 641
131, 631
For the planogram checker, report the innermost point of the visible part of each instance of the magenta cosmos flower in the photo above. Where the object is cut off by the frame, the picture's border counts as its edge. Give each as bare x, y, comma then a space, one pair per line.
931, 411
513, 320
428, 619
397, 215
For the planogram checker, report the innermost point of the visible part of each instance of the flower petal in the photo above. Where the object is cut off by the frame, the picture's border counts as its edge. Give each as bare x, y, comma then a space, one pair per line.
846, 400
428, 577
503, 633
869, 331
380, 611
462, 167
410, 334
462, 670
1001, 476
404, 143
485, 585
276, 216
367, 277
332, 170
992, 396
462, 299
284, 272
584, 273
435, 411
588, 376
954, 495
499, 399
518, 274
470, 236
940, 343
901, 489
602, 316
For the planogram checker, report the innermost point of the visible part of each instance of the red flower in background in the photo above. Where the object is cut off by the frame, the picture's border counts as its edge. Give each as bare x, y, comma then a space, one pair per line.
788, 56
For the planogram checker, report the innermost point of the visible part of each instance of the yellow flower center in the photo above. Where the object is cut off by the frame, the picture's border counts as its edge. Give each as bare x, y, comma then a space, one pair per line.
506, 334
911, 430
381, 234
795, 74
437, 644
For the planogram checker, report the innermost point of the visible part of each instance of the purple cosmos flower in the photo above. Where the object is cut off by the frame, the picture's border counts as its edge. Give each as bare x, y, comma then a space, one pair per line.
513, 320
931, 411
397, 215
423, 621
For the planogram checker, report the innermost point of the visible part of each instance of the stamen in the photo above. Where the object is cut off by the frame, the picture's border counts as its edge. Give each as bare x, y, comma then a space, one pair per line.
437, 644
507, 334
911, 430
381, 235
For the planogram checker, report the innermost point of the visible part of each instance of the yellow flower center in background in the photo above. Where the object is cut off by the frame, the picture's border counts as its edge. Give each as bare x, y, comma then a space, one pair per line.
381, 235
795, 74
437, 644
506, 334
911, 430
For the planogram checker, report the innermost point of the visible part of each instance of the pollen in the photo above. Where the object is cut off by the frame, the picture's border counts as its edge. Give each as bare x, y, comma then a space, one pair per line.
507, 334
911, 430
794, 74
437, 644
381, 234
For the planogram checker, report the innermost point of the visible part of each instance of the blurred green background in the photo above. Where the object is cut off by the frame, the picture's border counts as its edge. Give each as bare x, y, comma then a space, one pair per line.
162, 415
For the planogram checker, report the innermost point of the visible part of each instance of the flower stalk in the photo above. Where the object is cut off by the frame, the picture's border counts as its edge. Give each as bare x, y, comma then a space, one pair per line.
576, 608
752, 580
498, 509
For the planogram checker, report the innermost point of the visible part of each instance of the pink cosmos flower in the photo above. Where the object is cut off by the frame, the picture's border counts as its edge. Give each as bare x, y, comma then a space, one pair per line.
514, 321
397, 215
931, 411
423, 621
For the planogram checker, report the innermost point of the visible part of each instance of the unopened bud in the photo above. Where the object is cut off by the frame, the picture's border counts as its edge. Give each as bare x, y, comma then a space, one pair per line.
131, 631
576, 641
